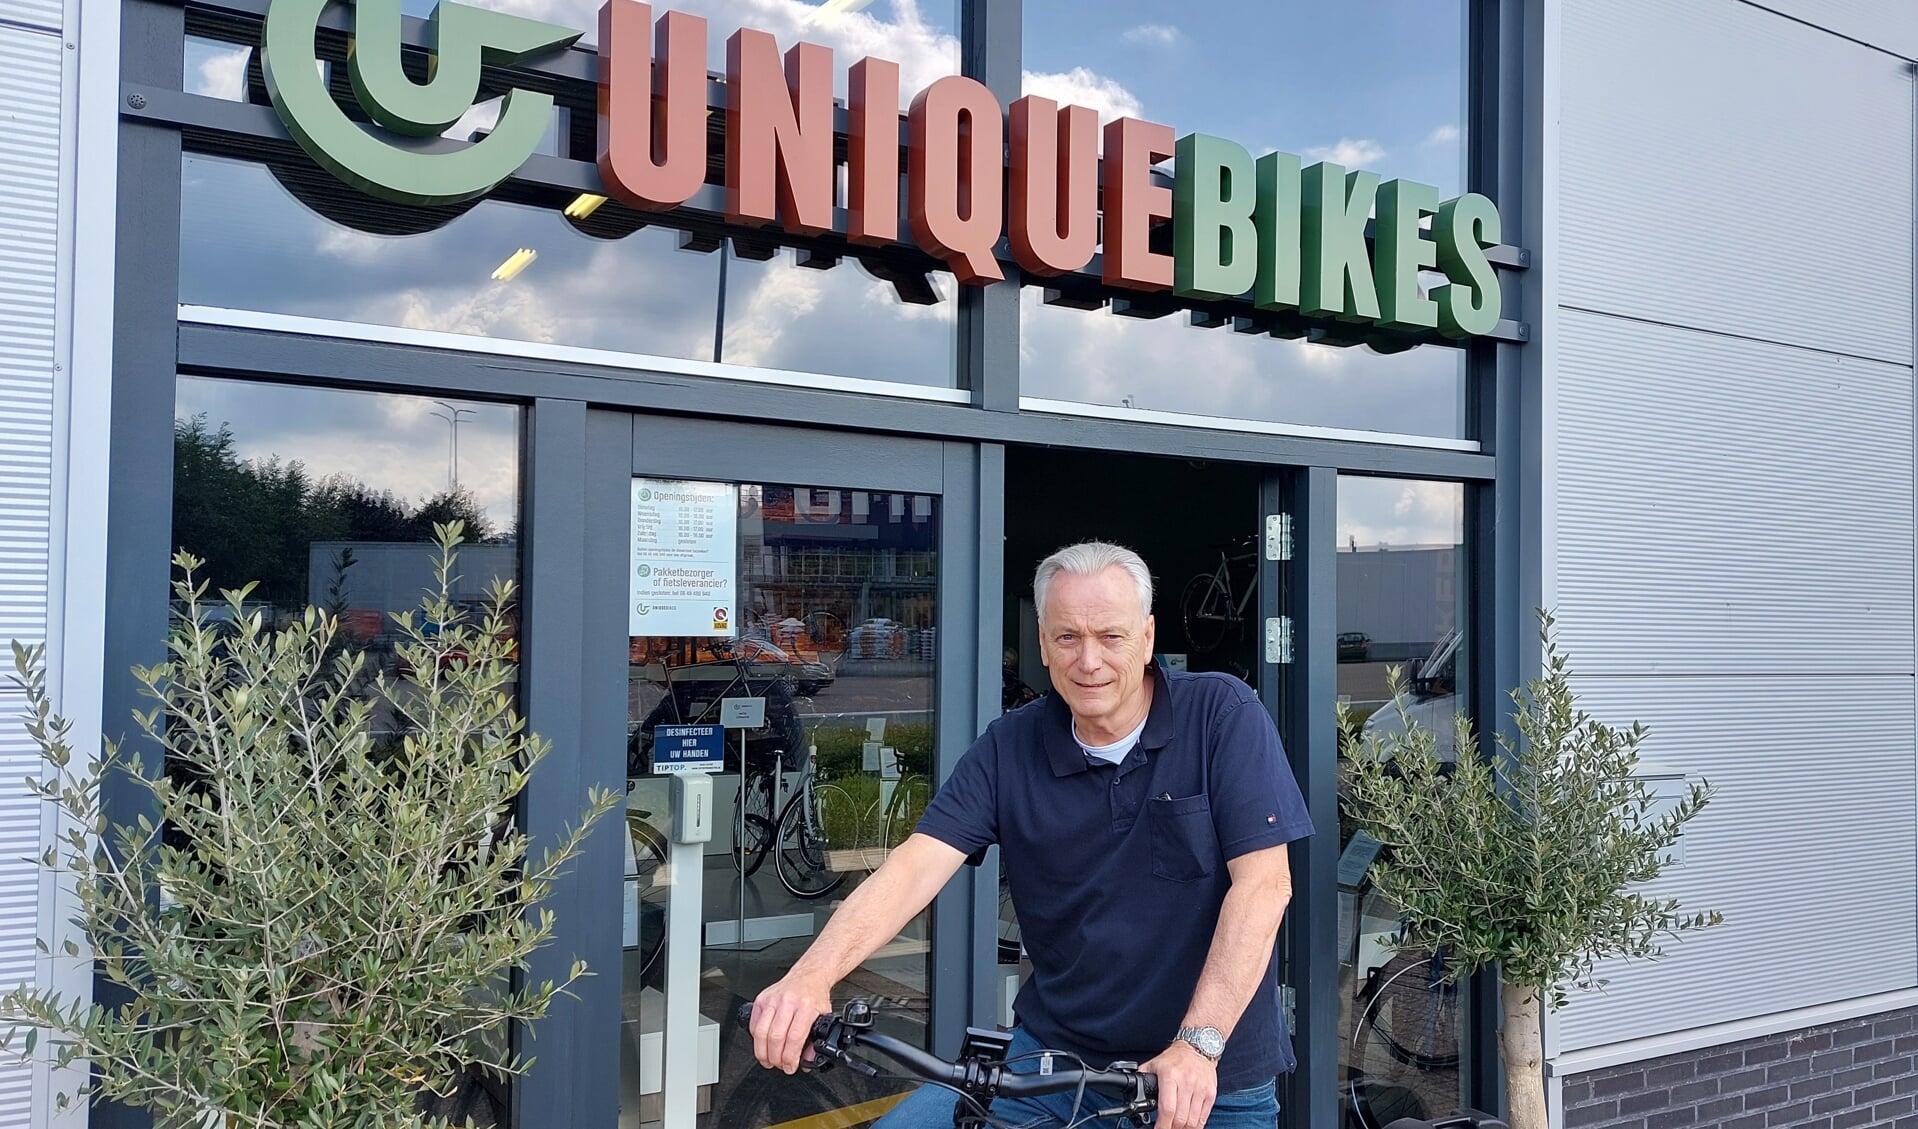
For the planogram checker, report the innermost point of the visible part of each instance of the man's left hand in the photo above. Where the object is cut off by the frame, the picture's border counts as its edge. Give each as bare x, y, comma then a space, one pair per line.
1188, 1083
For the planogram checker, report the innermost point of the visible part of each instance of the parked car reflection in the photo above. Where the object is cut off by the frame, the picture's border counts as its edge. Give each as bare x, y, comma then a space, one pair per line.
764, 660
1432, 690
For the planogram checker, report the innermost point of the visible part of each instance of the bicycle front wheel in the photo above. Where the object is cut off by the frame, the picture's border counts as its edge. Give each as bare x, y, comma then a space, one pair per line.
808, 846
908, 803
750, 849
1205, 607
1412, 1013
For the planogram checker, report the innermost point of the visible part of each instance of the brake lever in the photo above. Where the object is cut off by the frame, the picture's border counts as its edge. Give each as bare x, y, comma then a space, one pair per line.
1139, 1110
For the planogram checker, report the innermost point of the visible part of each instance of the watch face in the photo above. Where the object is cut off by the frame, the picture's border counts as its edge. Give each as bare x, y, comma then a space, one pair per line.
1208, 1041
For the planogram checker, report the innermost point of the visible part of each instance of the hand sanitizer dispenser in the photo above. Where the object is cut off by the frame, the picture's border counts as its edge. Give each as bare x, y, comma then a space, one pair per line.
693, 808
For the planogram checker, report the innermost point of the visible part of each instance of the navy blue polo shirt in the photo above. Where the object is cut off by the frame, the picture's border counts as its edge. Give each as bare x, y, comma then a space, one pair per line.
1118, 871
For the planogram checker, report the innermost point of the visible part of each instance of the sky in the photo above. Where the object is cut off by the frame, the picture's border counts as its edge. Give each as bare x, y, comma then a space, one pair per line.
1372, 83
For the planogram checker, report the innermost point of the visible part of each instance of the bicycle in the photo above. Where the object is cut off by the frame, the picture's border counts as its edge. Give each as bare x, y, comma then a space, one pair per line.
1404, 1054
982, 1072
910, 792
766, 749
650, 852
1211, 602
818, 821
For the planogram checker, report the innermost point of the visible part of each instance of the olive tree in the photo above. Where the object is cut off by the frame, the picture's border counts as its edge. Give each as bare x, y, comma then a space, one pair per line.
1532, 860
324, 916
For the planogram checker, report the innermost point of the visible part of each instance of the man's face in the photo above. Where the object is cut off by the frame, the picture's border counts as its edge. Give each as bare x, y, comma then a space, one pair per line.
1096, 641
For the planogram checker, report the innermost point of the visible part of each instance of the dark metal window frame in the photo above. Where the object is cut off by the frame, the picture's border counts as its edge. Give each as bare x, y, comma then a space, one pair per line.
563, 419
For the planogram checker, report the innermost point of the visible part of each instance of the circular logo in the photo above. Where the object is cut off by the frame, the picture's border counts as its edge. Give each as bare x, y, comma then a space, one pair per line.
720, 615
645, 570
645, 494
642, 609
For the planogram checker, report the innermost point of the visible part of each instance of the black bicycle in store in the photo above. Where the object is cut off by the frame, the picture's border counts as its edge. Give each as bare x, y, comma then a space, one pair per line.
982, 1072
1219, 602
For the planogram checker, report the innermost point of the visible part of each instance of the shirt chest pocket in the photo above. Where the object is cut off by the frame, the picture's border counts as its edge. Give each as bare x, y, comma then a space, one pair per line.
1185, 848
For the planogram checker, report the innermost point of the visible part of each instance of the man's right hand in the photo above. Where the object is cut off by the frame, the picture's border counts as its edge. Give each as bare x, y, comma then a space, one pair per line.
782, 1020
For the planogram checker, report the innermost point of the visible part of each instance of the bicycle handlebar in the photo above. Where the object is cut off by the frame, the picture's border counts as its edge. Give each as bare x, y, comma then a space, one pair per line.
835, 1037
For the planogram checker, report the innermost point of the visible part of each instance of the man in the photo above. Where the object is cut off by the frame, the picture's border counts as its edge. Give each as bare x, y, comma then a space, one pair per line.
1142, 816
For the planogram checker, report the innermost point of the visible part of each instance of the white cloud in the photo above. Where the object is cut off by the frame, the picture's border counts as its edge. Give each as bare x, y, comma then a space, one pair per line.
924, 52
351, 245
1082, 87
1443, 135
512, 310
1153, 35
222, 75
1382, 511
778, 305
480, 117
1350, 152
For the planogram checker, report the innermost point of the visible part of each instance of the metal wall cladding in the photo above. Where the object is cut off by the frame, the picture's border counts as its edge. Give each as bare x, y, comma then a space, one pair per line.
47, 14
1888, 24
1728, 168
30, 66
1730, 507
1806, 848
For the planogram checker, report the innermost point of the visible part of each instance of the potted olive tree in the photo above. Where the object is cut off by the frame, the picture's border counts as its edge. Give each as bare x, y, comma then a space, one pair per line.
326, 918
1530, 861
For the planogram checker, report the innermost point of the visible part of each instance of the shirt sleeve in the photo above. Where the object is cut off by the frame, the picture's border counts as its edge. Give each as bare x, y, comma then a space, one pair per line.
964, 812
1255, 800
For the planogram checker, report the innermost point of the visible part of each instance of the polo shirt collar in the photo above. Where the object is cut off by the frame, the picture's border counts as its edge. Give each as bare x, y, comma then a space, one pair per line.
1062, 748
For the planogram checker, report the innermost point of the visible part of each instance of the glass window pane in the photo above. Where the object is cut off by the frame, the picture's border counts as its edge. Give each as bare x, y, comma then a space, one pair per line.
215, 68
834, 630
1375, 86
247, 242
284, 237
1401, 604
327, 498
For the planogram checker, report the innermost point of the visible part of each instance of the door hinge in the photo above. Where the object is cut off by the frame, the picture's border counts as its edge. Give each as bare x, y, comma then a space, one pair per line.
1289, 1001
1278, 639
1278, 537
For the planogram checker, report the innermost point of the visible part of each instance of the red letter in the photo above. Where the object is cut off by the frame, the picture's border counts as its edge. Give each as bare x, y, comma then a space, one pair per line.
1133, 202
778, 133
956, 205
1055, 187
872, 152
652, 152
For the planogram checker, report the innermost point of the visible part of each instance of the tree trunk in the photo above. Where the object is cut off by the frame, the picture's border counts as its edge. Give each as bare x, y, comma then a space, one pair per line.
1522, 1049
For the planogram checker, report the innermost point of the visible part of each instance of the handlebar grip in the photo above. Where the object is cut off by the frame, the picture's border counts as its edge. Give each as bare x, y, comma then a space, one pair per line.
821, 1027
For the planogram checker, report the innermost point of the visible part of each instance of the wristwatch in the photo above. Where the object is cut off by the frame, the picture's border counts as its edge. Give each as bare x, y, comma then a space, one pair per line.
1208, 1041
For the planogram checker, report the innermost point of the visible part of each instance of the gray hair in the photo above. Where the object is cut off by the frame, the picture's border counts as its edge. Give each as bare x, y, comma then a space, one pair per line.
1089, 558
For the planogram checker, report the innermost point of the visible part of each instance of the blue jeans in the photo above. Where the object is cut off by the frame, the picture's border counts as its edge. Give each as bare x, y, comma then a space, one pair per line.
930, 1107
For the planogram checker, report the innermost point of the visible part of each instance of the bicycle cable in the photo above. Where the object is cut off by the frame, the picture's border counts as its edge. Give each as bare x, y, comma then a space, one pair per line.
1045, 1057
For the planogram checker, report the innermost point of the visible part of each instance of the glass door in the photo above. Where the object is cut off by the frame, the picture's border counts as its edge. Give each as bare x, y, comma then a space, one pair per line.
1402, 606
783, 689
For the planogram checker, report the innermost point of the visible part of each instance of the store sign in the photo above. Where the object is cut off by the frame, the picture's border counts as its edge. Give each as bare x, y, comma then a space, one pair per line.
685, 558
1283, 235
467, 38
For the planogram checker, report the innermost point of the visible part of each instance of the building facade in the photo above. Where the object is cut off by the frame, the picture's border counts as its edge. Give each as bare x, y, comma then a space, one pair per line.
809, 401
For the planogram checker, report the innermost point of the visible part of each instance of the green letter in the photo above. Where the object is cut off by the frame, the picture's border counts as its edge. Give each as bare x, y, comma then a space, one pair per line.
1338, 274
1278, 220
1464, 228
1402, 252
1214, 245
465, 39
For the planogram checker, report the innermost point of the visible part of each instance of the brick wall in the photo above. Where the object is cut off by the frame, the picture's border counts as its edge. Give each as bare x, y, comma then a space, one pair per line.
1860, 1072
